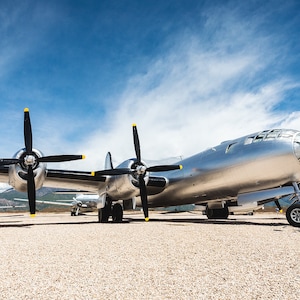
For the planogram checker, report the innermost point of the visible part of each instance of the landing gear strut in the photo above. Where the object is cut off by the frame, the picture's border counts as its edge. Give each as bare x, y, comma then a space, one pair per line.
115, 211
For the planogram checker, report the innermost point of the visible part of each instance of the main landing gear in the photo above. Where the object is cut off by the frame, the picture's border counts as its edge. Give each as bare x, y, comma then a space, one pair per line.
293, 214
217, 213
113, 210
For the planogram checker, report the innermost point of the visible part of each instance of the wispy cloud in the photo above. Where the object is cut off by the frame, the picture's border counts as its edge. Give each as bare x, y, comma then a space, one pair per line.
195, 95
170, 124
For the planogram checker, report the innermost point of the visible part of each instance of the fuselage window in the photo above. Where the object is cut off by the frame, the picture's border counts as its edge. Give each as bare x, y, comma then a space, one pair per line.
228, 147
249, 140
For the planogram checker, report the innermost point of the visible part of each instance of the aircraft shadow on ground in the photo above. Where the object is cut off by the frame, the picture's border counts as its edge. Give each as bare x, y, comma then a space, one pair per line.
137, 220
211, 221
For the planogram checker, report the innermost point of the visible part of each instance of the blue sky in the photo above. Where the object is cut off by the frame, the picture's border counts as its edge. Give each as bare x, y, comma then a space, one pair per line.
189, 73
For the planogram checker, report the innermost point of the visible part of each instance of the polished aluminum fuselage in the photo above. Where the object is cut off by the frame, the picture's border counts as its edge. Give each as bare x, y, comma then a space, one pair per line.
248, 164
256, 163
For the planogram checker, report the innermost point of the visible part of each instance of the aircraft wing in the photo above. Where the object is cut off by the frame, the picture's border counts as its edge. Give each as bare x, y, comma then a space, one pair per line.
78, 181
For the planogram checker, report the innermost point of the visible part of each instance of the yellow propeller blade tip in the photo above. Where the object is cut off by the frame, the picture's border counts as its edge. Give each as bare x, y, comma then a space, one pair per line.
180, 167
32, 215
93, 173
133, 125
26, 109
281, 211
82, 156
146, 219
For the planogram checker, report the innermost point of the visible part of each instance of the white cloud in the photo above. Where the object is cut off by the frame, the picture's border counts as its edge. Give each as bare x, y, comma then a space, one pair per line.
187, 101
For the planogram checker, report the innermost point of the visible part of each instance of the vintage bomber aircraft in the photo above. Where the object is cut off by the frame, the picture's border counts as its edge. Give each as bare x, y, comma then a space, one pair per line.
242, 173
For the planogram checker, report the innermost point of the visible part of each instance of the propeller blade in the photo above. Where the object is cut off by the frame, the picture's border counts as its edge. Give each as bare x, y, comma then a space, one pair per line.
144, 198
8, 161
27, 131
112, 172
164, 168
136, 142
31, 191
60, 158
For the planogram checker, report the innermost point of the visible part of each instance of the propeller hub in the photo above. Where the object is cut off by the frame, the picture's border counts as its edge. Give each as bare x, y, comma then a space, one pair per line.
141, 170
30, 160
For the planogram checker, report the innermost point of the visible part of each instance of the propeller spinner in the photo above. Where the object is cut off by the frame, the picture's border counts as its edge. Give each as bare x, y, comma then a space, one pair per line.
29, 161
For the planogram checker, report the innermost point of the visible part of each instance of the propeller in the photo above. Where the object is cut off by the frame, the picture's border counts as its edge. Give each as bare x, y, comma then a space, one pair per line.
29, 160
140, 170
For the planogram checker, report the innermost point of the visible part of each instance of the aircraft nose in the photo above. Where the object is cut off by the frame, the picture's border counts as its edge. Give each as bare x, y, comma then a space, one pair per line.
296, 145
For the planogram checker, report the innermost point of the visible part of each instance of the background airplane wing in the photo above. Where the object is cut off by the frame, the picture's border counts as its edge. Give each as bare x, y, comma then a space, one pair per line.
45, 202
12, 206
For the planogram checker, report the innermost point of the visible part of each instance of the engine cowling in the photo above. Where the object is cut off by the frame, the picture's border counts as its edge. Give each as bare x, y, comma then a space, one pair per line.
18, 172
125, 186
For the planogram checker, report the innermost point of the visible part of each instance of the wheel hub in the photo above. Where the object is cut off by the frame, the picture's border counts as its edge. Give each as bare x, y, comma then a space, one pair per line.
295, 215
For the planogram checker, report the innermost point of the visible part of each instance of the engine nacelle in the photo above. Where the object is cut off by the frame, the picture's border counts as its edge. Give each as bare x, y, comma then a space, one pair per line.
18, 172
125, 186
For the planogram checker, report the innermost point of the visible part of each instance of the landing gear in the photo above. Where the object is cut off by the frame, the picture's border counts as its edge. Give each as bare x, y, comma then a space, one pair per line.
217, 213
103, 214
293, 214
75, 211
116, 211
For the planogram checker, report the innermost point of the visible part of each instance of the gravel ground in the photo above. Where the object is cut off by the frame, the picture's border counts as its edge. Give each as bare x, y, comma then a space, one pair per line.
174, 256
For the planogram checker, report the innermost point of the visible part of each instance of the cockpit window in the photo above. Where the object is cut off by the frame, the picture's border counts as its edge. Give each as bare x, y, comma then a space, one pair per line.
260, 136
287, 133
268, 135
273, 134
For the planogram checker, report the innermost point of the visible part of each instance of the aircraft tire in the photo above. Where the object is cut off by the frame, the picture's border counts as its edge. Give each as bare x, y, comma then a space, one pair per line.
103, 214
117, 213
293, 214
217, 213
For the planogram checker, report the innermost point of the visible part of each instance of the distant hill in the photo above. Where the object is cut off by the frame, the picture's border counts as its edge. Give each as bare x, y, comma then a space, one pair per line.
7, 198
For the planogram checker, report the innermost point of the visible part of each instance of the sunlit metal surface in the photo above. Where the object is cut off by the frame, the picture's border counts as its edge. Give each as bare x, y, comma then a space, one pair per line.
255, 162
